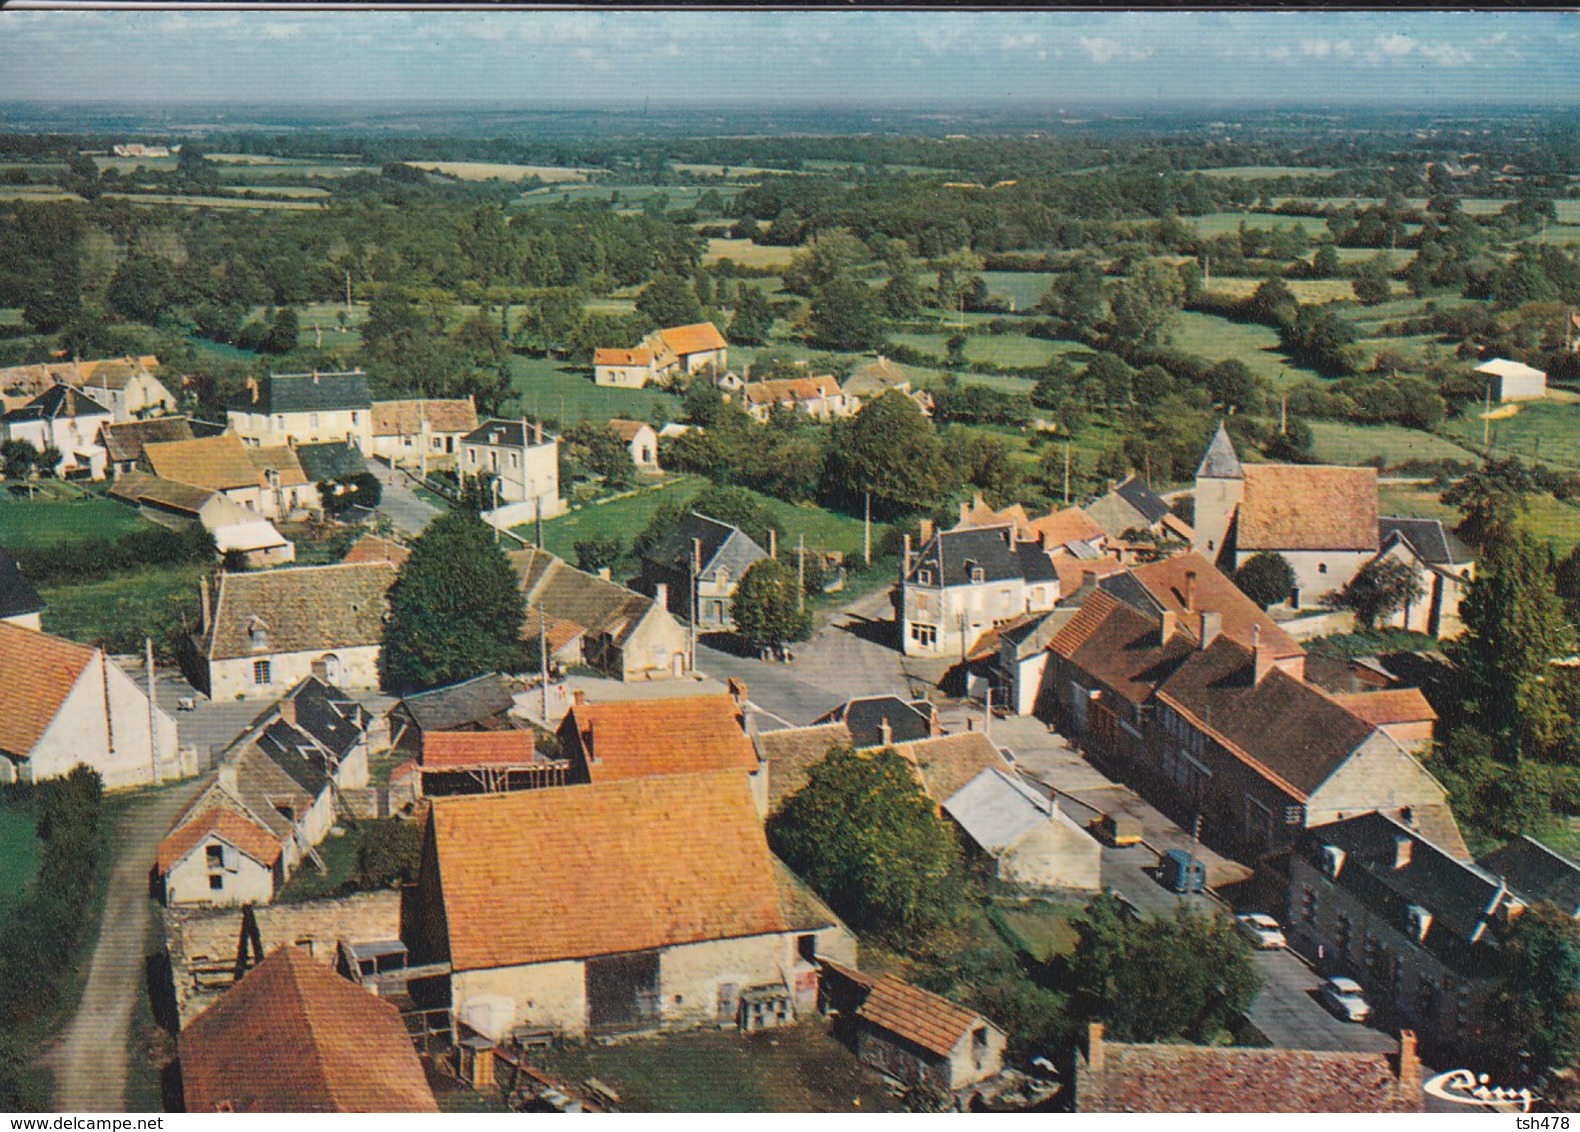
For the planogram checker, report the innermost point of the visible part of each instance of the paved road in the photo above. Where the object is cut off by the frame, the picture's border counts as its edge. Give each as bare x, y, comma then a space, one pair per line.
400, 504
90, 1061
1289, 1014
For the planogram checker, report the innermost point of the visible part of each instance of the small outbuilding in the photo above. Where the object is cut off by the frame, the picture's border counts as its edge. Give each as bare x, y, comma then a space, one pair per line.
1513, 381
1032, 840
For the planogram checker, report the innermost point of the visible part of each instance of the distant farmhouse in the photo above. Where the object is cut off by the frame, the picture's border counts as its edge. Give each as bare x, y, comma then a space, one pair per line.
1513, 381
65, 420
662, 356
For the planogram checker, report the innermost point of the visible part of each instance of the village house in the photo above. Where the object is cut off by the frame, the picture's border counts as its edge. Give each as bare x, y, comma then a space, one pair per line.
1125, 1077
20, 604
1412, 920
422, 433
871, 380
65, 420
330, 1045
271, 799
662, 356
334, 462
288, 491
125, 386
482, 703
1403, 714
1018, 655
1443, 566
818, 397
1133, 509
68, 705
910, 1035
124, 442
694, 570
270, 630
643, 738
1512, 381
213, 463
305, 408
641, 441
524, 461
588, 619
485, 762
666, 906
624, 369
1030, 840
235, 528
1321, 519
966, 581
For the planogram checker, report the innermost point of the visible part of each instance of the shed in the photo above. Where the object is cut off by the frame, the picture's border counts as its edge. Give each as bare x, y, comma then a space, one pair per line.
1033, 841
1513, 381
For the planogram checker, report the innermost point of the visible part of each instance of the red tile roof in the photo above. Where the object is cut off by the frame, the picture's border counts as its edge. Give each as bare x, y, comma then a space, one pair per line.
1306, 507
577, 871
1069, 525
1395, 705
918, 1016
444, 750
1120, 647
293, 1036
1165, 580
37, 673
371, 548
605, 356
697, 338
220, 821
218, 463
688, 735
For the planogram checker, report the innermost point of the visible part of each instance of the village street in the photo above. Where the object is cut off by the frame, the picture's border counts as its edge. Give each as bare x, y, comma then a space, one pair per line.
400, 504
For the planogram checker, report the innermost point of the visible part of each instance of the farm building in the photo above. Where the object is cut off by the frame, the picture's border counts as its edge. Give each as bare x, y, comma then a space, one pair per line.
640, 440
293, 1036
234, 527
422, 433
912, 1035
126, 387
213, 463
638, 904
63, 419
485, 762
1032, 841
482, 703
1513, 381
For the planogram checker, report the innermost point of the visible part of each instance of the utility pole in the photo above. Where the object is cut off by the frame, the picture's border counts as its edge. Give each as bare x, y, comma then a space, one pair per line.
1486, 416
1283, 416
1206, 283
866, 531
696, 598
543, 663
348, 296
1066, 475
800, 593
987, 714
493, 520
538, 500
153, 743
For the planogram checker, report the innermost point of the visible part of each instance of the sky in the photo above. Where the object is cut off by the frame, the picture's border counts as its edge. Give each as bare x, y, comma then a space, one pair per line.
916, 58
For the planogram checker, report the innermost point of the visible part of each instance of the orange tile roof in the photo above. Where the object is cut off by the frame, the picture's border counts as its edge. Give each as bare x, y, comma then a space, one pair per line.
293, 1036
215, 462
554, 632
791, 389
688, 735
37, 673
371, 548
1307, 507
1069, 525
918, 1016
1395, 705
282, 459
404, 418
628, 430
223, 822
577, 871
1165, 580
696, 338
1072, 571
609, 356
446, 750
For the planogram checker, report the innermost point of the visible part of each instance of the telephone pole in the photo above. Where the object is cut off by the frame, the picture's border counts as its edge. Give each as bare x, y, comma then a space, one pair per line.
800, 593
1066, 475
866, 531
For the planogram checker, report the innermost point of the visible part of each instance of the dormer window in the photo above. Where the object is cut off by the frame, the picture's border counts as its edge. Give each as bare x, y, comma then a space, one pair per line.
924, 576
1419, 920
978, 575
1332, 860
258, 634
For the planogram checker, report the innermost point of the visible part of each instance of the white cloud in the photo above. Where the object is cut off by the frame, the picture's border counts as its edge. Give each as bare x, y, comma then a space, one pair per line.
1102, 50
1327, 48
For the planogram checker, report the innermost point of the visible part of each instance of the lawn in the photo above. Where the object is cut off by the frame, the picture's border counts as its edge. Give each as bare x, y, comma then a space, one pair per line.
1044, 929
216, 202
1546, 519
1024, 288
1218, 339
1549, 430
1305, 290
118, 611
19, 854
1338, 442
797, 1069
489, 171
748, 254
59, 513
1019, 351
567, 393
340, 858
1227, 223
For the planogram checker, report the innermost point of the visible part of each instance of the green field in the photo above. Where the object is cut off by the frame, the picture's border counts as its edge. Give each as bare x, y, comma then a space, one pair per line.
1555, 523
1338, 442
215, 202
1217, 339
1548, 430
1016, 350
567, 393
118, 611
1268, 172
1228, 223
61, 514
19, 854
1025, 288
797, 1069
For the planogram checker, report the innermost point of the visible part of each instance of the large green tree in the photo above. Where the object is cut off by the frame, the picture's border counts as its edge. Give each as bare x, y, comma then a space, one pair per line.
1143, 305
455, 610
1535, 1004
753, 317
890, 449
862, 833
1380, 589
1490, 499
669, 300
846, 315
767, 607
1514, 628
1266, 578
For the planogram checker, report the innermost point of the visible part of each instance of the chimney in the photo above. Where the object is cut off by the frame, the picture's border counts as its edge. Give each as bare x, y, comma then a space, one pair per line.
924, 531
207, 614
1170, 624
604, 573
905, 567
537, 432
1211, 625
226, 776
1095, 1059
1403, 847
661, 594
1190, 591
935, 726
287, 709
579, 697
1261, 656
1112, 484
885, 732
1409, 1066
773, 543
252, 389
737, 689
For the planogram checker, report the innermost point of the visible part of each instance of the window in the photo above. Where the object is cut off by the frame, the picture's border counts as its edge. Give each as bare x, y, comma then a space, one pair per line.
924, 634
493, 459
924, 577
356, 417
1322, 567
258, 632
1344, 939
312, 420
978, 575
216, 856
1308, 905
471, 456
513, 460
279, 423
806, 947
216, 882
262, 672
979, 1045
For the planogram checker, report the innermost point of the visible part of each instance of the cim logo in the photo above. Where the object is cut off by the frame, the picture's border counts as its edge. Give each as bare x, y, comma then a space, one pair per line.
1466, 1089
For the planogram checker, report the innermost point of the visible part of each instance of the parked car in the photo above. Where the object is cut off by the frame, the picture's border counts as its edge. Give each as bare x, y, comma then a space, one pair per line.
1181, 872
1345, 998
1117, 829
1261, 931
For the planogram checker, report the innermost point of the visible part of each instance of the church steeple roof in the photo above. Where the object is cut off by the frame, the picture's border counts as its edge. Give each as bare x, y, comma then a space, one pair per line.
1221, 461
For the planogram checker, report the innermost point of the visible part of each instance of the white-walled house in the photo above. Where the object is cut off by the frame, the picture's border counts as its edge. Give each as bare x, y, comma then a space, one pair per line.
63, 419
524, 459
640, 440
63, 704
1513, 381
124, 386
305, 408
967, 581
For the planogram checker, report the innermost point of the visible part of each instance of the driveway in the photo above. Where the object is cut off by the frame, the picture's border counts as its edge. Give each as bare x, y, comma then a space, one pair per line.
90, 1060
400, 504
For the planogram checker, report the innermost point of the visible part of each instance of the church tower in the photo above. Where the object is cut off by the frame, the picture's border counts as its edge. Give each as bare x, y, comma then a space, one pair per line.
1220, 487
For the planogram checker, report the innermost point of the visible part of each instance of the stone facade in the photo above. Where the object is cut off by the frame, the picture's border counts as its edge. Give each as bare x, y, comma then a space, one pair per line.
353, 669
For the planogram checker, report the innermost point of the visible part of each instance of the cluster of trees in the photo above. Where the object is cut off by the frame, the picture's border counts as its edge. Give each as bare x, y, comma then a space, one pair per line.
100, 557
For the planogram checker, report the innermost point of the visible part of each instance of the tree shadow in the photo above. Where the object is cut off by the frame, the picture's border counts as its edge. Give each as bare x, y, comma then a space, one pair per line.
883, 632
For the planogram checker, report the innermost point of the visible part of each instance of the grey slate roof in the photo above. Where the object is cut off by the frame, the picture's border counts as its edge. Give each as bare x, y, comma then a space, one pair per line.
310, 393
1035, 565
330, 716
1435, 543
469, 702
510, 434
723, 545
960, 551
334, 460
17, 595
295, 753
1143, 499
1221, 461
57, 401
1537, 873
996, 810
909, 721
